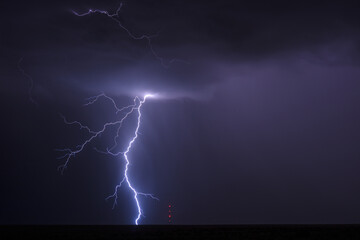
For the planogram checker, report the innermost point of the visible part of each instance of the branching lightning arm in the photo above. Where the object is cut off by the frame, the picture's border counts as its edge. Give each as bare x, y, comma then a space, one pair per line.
126, 111
115, 17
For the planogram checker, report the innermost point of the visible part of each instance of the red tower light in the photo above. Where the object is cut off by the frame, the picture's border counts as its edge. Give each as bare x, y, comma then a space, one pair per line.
169, 216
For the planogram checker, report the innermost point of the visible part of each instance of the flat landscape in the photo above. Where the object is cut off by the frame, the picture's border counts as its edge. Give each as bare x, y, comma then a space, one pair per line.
345, 232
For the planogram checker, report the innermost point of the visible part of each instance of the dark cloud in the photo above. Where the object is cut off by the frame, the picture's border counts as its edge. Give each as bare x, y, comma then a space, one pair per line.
275, 140
94, 51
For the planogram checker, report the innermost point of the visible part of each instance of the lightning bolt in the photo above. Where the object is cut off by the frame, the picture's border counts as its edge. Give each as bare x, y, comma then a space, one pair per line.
126, 111
115, 17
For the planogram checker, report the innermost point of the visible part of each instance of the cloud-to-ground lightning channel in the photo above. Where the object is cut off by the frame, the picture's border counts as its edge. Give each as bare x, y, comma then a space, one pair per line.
115, 17
126, 111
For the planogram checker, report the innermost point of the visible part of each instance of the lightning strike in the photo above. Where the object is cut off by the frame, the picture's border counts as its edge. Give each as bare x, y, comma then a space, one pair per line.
126, 111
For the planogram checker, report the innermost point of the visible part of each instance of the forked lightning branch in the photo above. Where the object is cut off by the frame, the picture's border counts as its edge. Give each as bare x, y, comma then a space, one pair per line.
124, 112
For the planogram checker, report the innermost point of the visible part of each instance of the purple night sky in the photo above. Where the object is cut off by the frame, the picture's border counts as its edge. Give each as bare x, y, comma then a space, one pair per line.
260, 122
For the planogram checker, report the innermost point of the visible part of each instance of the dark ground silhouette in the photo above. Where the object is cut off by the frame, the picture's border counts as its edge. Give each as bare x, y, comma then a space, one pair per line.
181, 232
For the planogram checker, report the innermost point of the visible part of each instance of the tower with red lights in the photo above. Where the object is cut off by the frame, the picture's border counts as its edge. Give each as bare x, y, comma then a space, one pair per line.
170, 213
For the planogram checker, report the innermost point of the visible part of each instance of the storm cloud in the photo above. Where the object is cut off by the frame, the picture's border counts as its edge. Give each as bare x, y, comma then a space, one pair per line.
257, 124
94, 54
